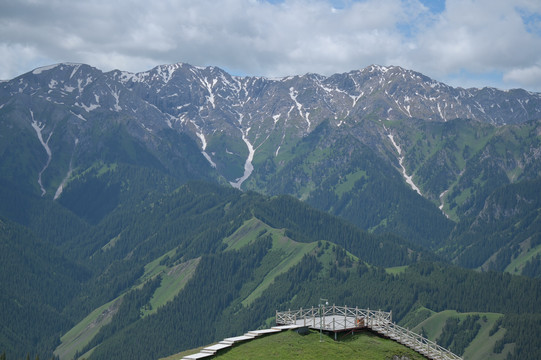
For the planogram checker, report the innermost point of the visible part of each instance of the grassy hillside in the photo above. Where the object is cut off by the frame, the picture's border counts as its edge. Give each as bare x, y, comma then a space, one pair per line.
81, 334
482, 345
283, 255
291, 345
524, 256
173, 280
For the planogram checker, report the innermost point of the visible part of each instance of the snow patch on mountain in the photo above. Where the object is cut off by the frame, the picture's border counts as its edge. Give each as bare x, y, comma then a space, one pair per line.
201, 137
80, 84
442, 202
116, 95
38, 127
87, 108
68, 88
248, 166
68, 175
44, 68
75, 68
441, 114
408, 178
126, 77
293, 95
78, 115
290, 110
208, 85
356, 98
166, 71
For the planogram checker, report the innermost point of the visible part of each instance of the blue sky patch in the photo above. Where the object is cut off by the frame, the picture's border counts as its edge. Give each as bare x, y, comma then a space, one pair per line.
435, 6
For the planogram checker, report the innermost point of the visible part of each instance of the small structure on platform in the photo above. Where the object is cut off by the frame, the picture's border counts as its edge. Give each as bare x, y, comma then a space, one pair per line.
335, 319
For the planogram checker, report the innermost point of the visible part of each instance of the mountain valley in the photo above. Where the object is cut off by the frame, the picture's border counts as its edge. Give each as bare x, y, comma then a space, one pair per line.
134, 206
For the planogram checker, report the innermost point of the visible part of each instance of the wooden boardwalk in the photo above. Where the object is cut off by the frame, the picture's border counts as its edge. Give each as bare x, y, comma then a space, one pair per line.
210, 351
342, 318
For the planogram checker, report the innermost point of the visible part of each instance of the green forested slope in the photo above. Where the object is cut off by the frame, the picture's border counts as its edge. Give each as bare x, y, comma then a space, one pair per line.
341, 280
36, 284
123, 213
335, 171
507, 231
237, 262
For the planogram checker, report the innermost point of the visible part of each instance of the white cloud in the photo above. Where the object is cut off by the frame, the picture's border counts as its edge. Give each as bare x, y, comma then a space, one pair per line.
480, 35
529, 77
256, 37
17, 56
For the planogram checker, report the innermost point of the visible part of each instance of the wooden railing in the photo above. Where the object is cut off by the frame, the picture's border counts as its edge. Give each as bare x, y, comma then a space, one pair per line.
326, 317
338, 318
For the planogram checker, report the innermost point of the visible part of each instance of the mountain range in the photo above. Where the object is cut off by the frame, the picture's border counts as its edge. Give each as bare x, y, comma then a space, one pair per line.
395, 168
339, 142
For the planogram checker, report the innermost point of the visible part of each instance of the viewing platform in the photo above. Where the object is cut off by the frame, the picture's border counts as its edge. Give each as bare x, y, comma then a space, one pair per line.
337, 319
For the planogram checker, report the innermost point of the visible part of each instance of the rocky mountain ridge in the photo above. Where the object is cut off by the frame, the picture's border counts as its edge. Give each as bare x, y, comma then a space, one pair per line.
208, 101
327, 140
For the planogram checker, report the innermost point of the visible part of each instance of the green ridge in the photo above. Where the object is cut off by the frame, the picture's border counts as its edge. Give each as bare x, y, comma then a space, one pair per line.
284, 254
81, 334
173, 280
349, 182
481, 346
516, 265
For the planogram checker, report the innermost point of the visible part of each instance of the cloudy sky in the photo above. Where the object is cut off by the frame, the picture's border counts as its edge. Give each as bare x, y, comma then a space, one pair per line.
468, 43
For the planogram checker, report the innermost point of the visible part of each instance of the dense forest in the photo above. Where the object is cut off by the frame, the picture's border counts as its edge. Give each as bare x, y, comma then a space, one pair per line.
147, 250
65, 278
437, 286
